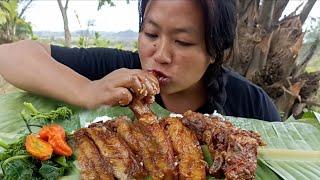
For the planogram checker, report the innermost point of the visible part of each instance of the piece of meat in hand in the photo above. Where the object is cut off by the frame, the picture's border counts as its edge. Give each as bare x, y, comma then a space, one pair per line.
156, 141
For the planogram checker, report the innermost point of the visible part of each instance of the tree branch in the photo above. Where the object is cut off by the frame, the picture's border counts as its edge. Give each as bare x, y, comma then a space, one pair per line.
279, 8
293, 13
266, 14
309, 55
25, 8
306, 10
66, 6
311, 103
60, 5
102, 2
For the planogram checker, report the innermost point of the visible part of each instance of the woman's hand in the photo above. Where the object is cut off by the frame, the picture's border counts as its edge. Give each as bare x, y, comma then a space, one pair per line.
119, 87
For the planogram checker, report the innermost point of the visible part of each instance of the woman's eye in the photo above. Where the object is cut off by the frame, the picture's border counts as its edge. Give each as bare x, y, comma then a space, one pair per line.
183, 43
150, 35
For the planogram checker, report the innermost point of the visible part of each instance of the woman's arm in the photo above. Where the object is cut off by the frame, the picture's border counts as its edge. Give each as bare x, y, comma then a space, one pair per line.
28, 65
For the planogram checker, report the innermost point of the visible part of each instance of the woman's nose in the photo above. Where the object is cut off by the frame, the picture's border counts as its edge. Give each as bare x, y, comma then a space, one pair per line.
163, 54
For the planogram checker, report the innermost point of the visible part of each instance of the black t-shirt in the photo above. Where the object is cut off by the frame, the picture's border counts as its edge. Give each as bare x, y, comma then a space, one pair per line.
244, 99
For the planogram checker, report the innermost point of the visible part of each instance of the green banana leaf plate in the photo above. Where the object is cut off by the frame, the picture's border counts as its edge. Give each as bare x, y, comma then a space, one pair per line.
292, 151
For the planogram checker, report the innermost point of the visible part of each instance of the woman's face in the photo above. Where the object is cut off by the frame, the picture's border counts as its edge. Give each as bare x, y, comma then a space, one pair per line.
172, 43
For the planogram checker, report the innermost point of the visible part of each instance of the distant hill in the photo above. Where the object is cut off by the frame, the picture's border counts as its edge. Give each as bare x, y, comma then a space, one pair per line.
127, 35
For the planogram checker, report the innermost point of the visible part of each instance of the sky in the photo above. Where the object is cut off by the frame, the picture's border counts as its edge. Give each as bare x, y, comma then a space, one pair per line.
45, 15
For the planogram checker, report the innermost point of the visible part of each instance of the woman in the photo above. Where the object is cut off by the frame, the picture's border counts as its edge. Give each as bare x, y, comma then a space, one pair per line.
182, 41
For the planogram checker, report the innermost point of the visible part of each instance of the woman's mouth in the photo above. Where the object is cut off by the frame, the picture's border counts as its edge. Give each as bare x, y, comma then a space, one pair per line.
163, 81
162, 77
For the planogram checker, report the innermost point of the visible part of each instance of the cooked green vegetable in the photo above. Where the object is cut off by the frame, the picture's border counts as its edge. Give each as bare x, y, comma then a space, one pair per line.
17, 164
52, 116
62, 116
19, 167
51, 170
207, 155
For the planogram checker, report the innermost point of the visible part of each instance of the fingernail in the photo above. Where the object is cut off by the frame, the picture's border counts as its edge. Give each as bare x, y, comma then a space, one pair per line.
155, 88
143, 89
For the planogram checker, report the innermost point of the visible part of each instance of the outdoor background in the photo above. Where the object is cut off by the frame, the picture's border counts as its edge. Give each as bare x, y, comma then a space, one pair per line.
277, 45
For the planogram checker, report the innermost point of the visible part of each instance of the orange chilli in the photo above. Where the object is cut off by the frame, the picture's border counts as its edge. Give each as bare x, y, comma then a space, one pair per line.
38, 148
60, 146
51, 130
56, 136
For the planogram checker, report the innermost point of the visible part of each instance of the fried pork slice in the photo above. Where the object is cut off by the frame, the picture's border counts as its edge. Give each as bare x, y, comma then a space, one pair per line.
142, 111
90, 161
241, 156
226, 142
117, 153
157, 159
186, 146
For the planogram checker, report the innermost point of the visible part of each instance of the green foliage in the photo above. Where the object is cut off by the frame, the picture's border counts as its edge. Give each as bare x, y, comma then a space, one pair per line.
313, 31
81, 41
34, 37
98, 42
23, 29
12, 27
119, 46
97, 35
3, 18
135, 46
103, 2
10, 9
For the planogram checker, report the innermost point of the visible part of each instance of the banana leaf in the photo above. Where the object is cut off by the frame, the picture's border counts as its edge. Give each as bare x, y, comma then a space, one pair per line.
292, 151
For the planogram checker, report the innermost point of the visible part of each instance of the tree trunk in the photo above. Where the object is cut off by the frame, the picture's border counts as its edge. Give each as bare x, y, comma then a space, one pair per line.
306, 10
279, 8
266, 15
266, 50
67, 34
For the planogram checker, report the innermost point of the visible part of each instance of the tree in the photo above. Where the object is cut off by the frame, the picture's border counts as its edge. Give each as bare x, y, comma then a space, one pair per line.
103, 2
12, 24
266, 49
67, 34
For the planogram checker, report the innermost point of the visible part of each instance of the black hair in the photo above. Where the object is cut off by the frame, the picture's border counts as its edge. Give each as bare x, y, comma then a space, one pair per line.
220, 26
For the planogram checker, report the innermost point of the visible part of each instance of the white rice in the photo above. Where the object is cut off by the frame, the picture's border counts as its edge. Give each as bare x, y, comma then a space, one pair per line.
98, 119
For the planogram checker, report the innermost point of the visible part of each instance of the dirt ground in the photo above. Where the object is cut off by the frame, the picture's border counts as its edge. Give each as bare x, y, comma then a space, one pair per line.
5, 87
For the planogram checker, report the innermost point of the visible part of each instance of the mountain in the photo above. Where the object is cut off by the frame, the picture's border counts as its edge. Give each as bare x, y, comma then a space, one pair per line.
127, 35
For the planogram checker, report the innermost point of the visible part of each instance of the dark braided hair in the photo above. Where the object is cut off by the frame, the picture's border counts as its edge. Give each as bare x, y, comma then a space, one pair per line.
220, 24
